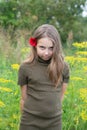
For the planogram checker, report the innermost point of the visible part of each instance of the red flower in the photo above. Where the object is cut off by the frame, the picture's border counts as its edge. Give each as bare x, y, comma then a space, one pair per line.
33, 41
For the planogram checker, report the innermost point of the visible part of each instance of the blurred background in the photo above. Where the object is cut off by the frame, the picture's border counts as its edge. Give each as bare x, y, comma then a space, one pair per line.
18, 18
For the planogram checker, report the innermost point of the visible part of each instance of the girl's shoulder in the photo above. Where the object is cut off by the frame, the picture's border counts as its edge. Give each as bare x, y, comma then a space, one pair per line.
66, 73
66, 65
25, 65
66, 68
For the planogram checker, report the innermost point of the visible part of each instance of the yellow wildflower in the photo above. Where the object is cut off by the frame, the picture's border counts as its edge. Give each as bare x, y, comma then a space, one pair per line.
76, 120
81, 53
76, 78
5, 89
2, 80
12, 124
1, 119
80, 45
83, 94
66, 92
2, 104
25, 50
70, 58
84, 115
75, 59
81, 59
15, 116
15, 66
85, 68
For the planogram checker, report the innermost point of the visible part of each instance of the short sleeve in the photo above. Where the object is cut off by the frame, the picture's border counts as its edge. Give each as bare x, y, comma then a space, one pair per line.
22, 78
66, 73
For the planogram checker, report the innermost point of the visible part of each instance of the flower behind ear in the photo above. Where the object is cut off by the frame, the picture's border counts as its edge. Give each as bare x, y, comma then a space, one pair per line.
33, 41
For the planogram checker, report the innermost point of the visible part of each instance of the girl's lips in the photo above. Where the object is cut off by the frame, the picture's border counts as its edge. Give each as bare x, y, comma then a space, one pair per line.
46, 58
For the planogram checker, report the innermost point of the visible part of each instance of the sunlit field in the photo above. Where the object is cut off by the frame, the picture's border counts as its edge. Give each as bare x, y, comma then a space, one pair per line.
75, 101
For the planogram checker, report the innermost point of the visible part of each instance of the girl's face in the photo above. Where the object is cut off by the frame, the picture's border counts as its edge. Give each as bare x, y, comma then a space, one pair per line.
44, 48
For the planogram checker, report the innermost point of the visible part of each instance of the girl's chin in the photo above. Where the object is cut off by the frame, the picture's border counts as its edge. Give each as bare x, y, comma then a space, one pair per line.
46, 58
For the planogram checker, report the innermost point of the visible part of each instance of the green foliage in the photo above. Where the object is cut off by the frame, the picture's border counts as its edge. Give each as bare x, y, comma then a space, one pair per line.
8, 11
20, 14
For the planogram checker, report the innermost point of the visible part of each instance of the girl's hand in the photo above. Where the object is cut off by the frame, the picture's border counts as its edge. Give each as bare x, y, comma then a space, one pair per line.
64, 87
23, 96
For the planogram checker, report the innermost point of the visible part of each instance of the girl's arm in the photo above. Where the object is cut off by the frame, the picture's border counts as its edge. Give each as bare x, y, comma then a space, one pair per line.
23, 96
64, 86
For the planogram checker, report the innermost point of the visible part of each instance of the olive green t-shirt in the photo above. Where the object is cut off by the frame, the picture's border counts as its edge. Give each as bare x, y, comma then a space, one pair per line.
43, 98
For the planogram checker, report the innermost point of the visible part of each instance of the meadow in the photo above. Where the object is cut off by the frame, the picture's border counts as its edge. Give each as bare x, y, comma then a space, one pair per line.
75, 101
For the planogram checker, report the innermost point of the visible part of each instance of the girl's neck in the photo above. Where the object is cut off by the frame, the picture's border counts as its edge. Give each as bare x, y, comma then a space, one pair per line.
46, 62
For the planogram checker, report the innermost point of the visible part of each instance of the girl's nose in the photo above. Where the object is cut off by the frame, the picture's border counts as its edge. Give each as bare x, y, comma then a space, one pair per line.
46, 52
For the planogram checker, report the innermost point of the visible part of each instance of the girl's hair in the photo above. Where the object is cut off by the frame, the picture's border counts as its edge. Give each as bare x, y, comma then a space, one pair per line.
56, 65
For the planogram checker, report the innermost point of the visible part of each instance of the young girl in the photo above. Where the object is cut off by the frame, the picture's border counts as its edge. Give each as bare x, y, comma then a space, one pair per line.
43, 79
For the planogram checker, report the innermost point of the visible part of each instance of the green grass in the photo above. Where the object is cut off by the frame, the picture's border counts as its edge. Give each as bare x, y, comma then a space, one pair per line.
74, 104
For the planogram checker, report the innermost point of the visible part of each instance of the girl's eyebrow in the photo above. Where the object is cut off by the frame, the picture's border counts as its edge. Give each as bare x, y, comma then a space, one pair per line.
45, 46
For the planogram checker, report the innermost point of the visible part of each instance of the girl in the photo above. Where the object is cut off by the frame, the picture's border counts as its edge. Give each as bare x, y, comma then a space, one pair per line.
43, 79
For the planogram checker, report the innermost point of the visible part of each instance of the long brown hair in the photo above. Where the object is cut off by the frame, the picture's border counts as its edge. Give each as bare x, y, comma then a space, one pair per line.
55, 68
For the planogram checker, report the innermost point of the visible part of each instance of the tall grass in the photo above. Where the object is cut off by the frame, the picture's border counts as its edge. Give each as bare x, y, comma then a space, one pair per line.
10, 58
75, 101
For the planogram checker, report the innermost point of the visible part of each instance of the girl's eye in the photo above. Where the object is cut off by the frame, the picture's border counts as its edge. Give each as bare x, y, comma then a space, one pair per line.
42, 47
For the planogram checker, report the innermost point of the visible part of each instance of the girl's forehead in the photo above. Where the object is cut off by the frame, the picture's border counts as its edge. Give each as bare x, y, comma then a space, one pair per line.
45, 42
